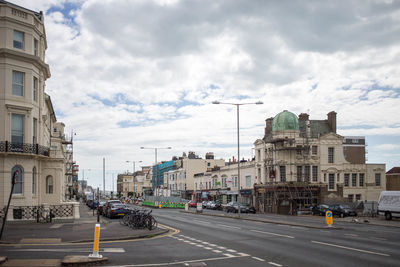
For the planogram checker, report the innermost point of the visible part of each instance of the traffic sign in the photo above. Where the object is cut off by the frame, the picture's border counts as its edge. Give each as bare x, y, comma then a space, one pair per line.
329, 218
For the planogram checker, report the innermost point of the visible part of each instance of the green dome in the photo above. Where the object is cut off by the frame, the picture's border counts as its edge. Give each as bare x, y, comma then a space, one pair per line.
285, 121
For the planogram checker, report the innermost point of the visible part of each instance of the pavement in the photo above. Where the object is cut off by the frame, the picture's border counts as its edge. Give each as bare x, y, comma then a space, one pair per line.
77, 231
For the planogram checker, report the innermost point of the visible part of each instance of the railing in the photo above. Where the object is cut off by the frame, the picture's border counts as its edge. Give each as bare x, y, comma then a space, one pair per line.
65, 211
37, 149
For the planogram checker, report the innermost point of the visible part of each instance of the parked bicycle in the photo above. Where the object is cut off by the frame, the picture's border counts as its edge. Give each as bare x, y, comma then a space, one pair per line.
139, 219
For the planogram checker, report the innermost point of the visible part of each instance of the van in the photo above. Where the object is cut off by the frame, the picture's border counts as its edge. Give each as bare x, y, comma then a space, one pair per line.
389, 204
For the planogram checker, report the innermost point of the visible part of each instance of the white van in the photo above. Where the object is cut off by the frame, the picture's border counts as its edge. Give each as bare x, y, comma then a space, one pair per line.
389, 204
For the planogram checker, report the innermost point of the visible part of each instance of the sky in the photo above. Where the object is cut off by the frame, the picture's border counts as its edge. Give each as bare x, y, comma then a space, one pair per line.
133, 73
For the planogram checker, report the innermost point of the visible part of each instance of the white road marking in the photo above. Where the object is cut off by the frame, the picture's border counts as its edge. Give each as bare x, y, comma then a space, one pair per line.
231, 250
378, 238
217, 251
205, 243
243, 254
207, 248
192, 243
349, 248
213, 245
83, 250
269, 233
273, 263
228, 255
298, 227
55, 226
114, 250
200, 246
201, 221
228, 226
221, 247
259, 259
351, 235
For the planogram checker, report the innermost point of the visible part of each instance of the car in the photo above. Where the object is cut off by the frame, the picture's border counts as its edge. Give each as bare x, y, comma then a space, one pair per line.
342, 210
116, 210
204, 204
235, 208
101, 207
108, 204
250, 209
320, 209
192, 204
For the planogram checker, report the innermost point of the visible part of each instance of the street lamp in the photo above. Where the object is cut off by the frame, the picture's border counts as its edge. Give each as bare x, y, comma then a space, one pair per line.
133, 174
238, 143
155, 163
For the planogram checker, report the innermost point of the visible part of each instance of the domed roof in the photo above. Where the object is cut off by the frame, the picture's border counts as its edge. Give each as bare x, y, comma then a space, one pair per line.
285, 120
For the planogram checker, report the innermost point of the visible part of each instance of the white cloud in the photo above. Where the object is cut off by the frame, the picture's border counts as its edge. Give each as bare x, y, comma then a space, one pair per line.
387, 147
127, 74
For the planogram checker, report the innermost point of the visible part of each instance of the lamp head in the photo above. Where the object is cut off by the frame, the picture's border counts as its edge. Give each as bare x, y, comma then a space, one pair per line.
259, 103
216, 102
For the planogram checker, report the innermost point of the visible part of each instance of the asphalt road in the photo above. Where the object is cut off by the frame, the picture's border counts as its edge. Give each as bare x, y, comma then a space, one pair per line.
216, 241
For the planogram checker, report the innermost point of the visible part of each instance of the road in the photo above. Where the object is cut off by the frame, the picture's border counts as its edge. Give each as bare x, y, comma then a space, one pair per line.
216, 241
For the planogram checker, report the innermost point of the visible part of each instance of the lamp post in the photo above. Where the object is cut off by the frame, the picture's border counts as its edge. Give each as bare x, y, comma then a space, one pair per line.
83, 178
133, 174
238, 142
155, 163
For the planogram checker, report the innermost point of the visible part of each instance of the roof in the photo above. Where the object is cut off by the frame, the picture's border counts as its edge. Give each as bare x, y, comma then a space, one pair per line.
285, 120
37, 14
394, 170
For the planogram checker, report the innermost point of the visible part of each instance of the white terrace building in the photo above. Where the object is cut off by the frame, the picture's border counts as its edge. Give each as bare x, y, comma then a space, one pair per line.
31, 140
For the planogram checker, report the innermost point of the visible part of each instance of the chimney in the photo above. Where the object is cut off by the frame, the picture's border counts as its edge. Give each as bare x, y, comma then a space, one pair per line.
268, 125
304, 117
332, 120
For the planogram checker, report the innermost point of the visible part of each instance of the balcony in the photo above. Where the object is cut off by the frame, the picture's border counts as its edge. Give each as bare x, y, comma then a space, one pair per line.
35, 149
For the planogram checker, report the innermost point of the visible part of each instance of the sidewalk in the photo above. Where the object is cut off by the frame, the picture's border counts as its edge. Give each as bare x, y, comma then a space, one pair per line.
81, 230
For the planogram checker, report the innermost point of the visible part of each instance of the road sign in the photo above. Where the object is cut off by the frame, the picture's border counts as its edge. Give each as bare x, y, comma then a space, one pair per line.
329, 218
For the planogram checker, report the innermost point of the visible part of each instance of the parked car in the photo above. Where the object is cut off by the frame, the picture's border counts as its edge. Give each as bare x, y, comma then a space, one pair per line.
213, 205
192, 204
250, 209
320, 209
101, 207
389, 204
342, 210
108, 204
116, 210
204, 204
235, 208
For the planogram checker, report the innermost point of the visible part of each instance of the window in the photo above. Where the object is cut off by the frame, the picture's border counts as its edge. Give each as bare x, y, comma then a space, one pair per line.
377, 179
17, 128
346, 179
34, 131
34, 181
49, 185
314, 150
18, 41
338, 178
234, 181
282, 172
35, 47
350, 198
298, 150
358, 197
299, 173
19, 181
223, 181
331, 181
354, 179
208, 164
315, 173
324, 177
307, 173
361, 179
18, 83
331, 155
248, 181
35, 88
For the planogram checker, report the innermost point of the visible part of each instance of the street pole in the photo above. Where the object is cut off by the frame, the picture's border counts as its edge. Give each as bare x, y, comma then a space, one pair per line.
13, 182
238, 142
104, 176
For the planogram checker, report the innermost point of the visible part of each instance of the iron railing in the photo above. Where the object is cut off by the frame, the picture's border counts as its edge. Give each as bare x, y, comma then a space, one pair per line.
37, 149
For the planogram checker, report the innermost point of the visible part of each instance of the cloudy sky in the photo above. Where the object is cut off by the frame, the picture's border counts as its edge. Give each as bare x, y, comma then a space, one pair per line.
132, 73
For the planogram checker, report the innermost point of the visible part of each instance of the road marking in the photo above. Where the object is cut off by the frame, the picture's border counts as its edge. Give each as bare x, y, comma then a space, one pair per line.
221, 247
191, 243
84, 250
349, 248
273, 263
243, 254
231, 250
228, 226
200, 246
55, 226
201, 221
217, 251
259, 259
208, 248
298, 227
113, 250
213, 245
205, 243
269, 233
228, 255
351, 235
379, 238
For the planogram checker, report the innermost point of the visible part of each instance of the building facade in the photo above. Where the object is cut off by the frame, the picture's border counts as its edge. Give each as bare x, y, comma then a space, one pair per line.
31, 139
301, 162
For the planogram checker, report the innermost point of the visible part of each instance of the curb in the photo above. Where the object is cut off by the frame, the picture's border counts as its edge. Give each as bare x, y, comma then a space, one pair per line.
268, 221
77, 260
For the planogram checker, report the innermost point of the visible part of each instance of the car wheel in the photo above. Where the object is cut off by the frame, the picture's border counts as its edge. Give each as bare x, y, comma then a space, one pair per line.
388, 215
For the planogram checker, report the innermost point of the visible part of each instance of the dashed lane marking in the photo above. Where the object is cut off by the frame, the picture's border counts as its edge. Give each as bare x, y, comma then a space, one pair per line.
349, 248
273, 263
228, 255
274, 234
231, 250
256, 258
228, 226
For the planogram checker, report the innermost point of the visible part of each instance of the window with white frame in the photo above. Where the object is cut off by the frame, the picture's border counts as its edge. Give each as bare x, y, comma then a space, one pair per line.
314, 150
346, 179
18, 39
354, 179
331, 154
49, 184
331, 181
377, 179
17, 128
18, 83
19, 181
361, 179
35, 88
248, 181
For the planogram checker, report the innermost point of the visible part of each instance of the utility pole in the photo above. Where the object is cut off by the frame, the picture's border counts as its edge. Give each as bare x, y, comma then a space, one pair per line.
14, 181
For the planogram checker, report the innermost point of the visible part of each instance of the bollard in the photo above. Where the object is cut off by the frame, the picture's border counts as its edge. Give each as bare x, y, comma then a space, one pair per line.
96, 243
